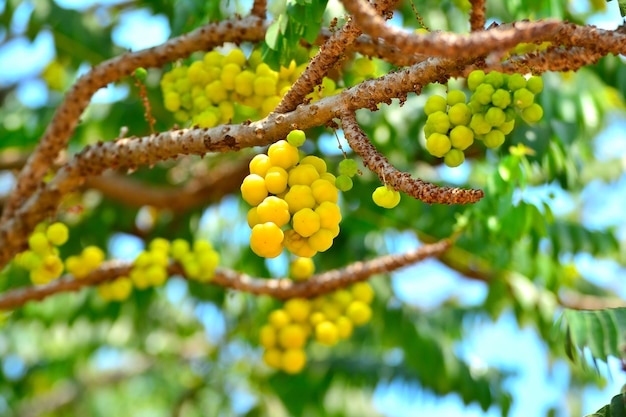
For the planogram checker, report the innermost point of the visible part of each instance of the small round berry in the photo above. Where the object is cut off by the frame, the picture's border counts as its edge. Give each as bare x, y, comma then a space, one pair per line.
343, 183
493, 139
296, 138
306, 222
293, 361
57, 233
535, 84
533, 113
475, 79
461, 137
438, 144
348, 167
359, 312
292, 336
327, 333
301, 269
253, 189
434, 104
455, 97
266, 240
38, 243
454, 158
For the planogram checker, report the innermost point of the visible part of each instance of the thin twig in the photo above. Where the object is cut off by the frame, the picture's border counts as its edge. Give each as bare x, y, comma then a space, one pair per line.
259, 8
477, 15
389, 175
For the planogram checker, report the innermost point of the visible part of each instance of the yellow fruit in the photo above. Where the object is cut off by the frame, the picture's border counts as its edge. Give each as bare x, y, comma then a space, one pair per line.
344, 327
275, 210
303, 174
292, 336
293, 360
283, 154
324, 191
260, 164
316, 318
306, 222
92, 256
298, 309
120, 289
273, 358
359, 312
327, 333
363, 291
279, 318
316, 161
298, 245
38, 243
253, 217
321, 240
299, 197
57, 233
266, 240
330, 215
276, 180
301, 268
253, 189
267, 336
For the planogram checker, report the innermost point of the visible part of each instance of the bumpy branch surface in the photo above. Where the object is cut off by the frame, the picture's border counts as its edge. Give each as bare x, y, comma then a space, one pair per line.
68, 113
326, 58
449, 44
280, 288
259, 7
389, 175
477, 15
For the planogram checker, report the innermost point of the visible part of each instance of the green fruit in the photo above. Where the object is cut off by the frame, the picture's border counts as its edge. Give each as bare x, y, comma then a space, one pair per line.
523, 98
493, 139
507, 127
461, 137
535, 84
296, 138
494, 78
516, 81
454, 158
479, 125
459, 114
439, 122
141, 74
348, 167
456, 96
483, 93
532, 114
475, 78
495, 116
435, 104
501, 98
438, 144
343, 183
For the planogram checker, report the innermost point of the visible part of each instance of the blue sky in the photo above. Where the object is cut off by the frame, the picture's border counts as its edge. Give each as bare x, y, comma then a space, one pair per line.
424, 285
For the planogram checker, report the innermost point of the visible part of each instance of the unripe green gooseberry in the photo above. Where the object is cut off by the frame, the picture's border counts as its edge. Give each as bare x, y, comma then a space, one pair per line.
438, 122
479, 125
483, 93
343, 183
454, 158
475, 79
296, 138
493, 139
516, 81
456, 96
535, 84
461, 137
523, 98
495, 116
348, 167
533, 113
438, 144
459, 114
494, 78
434, 104
501, 98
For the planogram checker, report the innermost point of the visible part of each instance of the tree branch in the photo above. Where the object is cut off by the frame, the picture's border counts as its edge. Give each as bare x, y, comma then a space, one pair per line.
259, 8
280, 288
68, 113
449, 44
477, 15
389, 175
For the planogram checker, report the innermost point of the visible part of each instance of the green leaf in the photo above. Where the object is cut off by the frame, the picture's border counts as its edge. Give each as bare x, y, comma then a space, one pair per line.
602, 331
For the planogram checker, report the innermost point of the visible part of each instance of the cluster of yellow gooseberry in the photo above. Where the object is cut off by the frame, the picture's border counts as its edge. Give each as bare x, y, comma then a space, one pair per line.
294, 201
223, 88
327, 319
41, 258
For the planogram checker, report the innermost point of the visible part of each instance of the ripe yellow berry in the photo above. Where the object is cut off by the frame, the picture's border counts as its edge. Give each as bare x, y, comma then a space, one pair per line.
324, 191
321, 240
38, 243
276, 179
316, 318
359, 312
179, 249
301, 268
279, 318
344, 327
330, 215
283, 154
303, 174
306, 222
120, 289
92, 256
57, 233
299, 197
298, 309
253, 217
298, 245
292, 336
293, 360
386, 197
260, 164
316, 161
363, 291
327, 333
267, 240
275, 210
273, 358
253, 189
267, 336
